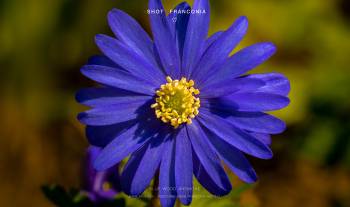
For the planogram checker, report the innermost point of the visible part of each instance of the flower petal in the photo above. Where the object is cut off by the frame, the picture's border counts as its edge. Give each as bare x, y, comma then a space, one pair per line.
234, 136
208, 159
112, 114
242, 61
128, 59
197, 31
95, 97
102, 135
164, 40
258, 122
254, 101
126, 143
183, 167
141, 167
167, 187
275, 83
212, 39
102, 60
205, 180
254, 121
225, 88
233, 158
264, 138
129, 31
119, 79
219, 50
178, 23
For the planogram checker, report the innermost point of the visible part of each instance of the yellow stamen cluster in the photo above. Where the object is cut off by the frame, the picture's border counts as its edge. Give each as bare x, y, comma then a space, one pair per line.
176, 102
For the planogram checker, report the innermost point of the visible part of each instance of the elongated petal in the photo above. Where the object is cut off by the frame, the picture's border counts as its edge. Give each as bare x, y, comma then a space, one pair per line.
118, 79
112, 114
197, 31
126, 143
252, 121
226, 88
208, 159
164, 40
129, 31
234, 136
243, 61
167, 187
107, 96
220, 49
128, 59
205, 180
141, 168
102, 135
257, 122
255, 101
102, 60
275, 83
212, 39
183, 167
233, 158
178, 23
264, 138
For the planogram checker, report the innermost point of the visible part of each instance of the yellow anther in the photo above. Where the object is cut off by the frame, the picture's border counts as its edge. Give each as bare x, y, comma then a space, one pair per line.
168, 79
176, 102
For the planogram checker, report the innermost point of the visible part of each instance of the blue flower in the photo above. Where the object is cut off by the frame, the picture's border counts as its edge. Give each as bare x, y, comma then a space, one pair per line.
178, 103
99, 186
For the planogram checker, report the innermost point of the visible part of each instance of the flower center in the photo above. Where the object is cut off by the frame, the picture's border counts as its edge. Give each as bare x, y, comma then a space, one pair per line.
176, 102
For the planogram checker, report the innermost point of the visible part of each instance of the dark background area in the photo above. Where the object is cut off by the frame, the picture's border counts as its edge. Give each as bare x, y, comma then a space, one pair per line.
44, 43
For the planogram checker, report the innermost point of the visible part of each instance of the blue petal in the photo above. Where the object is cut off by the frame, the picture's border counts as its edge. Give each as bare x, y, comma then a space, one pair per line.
107, 96
126, 143
255, 101
118, 79
208, 160
102, 60
128, 59
132, 34
183, 167
178, 24
141, 167
219, 50
212, 39
167, 187
164, 40
234, 136
275, 83
112, 114
253, 121
102, 135
241, 62
228, 87
197, 31
233, 158
205, 180
264, 138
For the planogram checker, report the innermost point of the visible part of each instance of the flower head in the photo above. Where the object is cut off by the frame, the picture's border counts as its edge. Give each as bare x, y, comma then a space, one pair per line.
178, 103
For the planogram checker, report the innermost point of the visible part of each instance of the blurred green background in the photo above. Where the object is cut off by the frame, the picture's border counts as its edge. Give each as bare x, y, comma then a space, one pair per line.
44, 43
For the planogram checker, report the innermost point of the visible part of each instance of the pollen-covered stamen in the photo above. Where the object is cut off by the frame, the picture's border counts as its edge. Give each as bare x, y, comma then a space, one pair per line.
177, 102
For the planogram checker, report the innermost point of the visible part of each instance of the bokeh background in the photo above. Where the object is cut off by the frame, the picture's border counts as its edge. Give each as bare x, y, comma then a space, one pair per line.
44, 43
